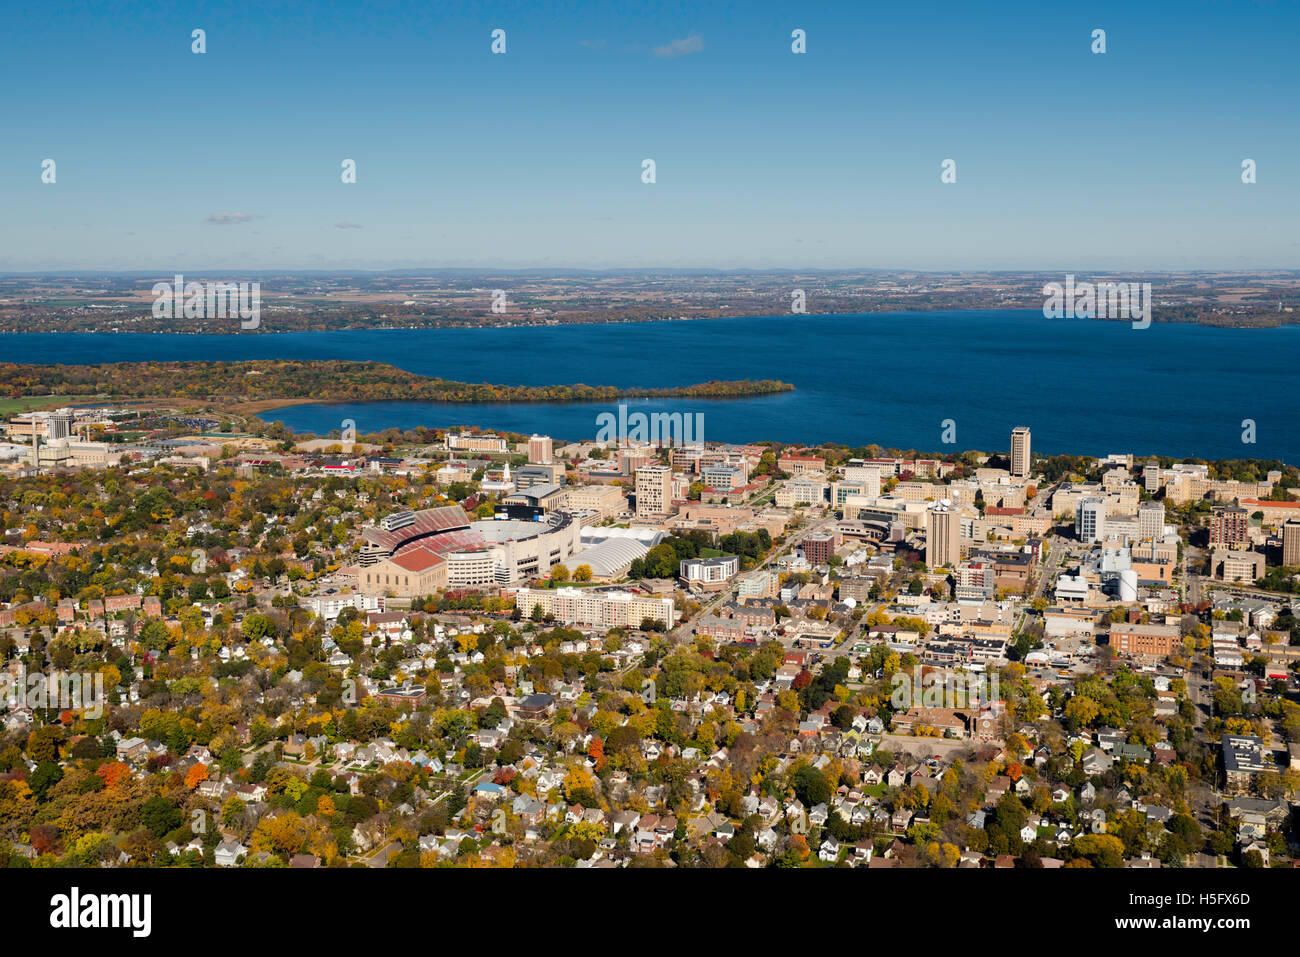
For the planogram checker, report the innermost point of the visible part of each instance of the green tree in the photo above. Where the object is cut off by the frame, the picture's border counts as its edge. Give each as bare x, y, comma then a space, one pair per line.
160, 816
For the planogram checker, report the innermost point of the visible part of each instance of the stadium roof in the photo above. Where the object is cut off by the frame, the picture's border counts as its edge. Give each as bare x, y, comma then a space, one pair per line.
610, 557
596, 534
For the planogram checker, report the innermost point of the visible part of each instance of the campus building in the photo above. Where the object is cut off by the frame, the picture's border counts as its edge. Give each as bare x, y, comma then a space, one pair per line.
654, 491
586, 606
1020, 459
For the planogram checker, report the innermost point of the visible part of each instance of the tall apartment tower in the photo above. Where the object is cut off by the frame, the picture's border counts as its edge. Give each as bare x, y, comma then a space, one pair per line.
1090, 520
539, 449
1020, 452
61, 424
942, 536
654, 491
1229, 527
1151, 520
1291, 544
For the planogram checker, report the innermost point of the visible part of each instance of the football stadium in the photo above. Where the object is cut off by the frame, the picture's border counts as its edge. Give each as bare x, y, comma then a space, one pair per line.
414, 553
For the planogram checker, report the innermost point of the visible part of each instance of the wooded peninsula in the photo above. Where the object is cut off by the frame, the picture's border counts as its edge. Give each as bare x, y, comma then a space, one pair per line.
268, 383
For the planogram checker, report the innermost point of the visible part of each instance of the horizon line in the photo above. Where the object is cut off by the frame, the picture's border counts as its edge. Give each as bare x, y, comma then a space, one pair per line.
343, 270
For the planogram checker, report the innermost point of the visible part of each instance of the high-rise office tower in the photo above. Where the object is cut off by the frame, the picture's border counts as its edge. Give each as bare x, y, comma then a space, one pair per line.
1020, 460
1291, 544
539, 449
942, 535
654, 491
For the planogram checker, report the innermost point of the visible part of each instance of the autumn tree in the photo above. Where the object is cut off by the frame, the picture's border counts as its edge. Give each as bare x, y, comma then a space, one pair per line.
196, 775
283, 834
113, 773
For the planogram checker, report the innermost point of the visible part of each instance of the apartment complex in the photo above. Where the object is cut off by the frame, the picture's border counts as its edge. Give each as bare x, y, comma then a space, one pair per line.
974, 581
1229, 527
818, 549
585, 606
1243, 758
709, 572
759, 584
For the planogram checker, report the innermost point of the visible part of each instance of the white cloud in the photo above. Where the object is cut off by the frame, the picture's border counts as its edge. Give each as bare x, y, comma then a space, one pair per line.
227, 219
686, 45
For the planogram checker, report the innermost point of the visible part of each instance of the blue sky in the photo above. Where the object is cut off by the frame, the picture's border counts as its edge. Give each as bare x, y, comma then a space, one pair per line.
1066, 160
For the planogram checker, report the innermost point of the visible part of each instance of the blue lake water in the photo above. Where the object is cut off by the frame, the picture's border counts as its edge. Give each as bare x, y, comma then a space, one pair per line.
1083, 386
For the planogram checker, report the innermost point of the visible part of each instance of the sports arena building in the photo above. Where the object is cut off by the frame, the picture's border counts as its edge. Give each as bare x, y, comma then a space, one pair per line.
414, 553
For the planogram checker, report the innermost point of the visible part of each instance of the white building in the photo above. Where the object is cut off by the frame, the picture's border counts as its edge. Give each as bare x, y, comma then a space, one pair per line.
709, 571
1090, 520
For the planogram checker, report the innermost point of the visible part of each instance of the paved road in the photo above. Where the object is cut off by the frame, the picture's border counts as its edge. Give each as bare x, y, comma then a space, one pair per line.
378, 857
683, 631
1048, 566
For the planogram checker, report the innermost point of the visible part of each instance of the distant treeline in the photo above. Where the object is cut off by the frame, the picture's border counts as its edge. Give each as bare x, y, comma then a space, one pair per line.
325, 380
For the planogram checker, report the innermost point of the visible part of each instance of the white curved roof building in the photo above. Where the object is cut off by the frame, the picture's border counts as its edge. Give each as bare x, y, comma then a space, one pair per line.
611, 558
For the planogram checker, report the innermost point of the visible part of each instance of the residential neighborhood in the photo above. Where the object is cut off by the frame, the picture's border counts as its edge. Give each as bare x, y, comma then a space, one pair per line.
982, 660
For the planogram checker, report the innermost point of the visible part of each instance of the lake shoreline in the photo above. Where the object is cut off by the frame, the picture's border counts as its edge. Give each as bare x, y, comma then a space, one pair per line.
265, 328
1085, 387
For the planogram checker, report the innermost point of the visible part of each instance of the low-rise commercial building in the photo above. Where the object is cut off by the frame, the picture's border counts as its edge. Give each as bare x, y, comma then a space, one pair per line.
1156, 641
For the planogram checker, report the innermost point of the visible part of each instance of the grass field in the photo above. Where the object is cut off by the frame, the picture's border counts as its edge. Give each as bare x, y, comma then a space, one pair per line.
28, 403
